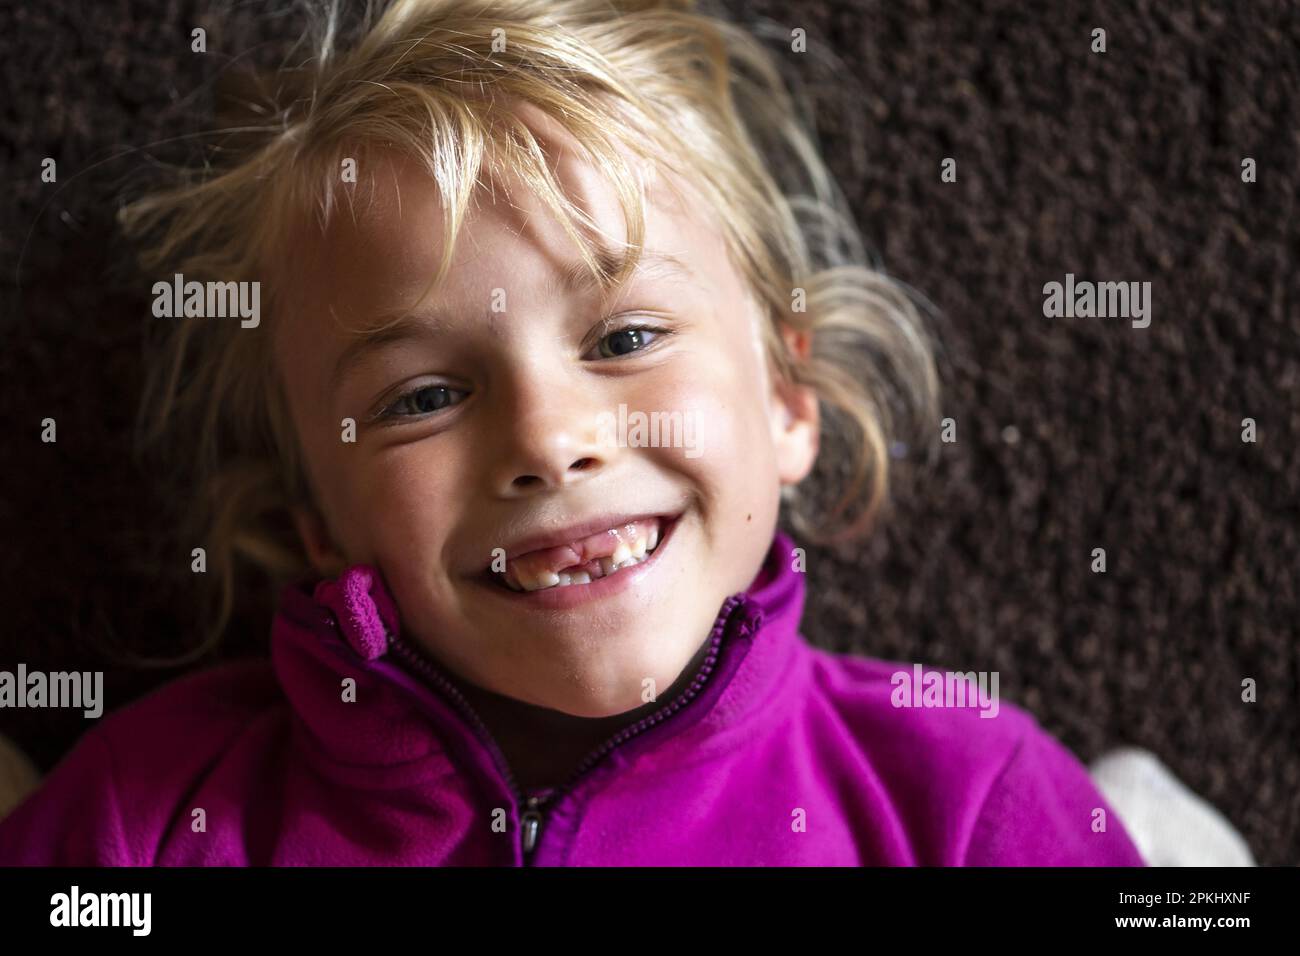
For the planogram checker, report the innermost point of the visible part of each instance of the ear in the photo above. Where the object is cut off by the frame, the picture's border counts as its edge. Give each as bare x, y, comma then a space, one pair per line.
325, 557
795, 418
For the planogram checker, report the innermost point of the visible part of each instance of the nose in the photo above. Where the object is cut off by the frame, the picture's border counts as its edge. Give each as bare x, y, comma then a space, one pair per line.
550, 441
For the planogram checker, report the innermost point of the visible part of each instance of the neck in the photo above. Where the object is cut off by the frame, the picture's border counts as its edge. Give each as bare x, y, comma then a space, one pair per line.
544, 747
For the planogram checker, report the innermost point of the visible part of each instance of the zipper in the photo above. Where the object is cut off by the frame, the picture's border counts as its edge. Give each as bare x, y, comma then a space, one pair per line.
425, 668
533, 816
701, 678
530, 826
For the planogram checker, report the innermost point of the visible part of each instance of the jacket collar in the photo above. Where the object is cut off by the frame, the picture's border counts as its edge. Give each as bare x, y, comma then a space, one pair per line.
331, 631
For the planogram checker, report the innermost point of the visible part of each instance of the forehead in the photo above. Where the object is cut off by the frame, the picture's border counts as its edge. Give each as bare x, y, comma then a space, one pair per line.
384, 243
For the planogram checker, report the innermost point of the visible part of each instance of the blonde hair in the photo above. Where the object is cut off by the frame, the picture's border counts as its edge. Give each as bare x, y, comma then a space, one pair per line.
433, 79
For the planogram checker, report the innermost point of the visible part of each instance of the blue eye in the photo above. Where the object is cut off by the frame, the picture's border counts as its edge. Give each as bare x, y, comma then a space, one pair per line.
423, 400
634, 338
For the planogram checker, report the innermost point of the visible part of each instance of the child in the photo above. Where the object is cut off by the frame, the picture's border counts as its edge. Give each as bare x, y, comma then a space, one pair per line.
556, 297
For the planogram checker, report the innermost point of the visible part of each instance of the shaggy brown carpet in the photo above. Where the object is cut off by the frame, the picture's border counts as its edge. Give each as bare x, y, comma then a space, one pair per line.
1073, 433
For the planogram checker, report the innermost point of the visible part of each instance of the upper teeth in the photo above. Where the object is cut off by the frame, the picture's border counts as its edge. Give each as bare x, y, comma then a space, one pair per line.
631, 551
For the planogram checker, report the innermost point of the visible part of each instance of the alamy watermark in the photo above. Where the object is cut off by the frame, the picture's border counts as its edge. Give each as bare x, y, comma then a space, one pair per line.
75, 908
1098, 300
635, 429
919, 688
208, 300
24, 688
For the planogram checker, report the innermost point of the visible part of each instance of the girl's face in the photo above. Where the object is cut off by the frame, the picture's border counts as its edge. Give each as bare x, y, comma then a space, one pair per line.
493, 418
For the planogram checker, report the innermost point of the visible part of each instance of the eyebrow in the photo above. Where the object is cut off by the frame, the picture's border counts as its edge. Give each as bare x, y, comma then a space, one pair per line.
577, 278
428, 326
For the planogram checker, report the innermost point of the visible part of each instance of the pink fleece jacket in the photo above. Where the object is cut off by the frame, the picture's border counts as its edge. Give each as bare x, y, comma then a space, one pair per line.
776, 754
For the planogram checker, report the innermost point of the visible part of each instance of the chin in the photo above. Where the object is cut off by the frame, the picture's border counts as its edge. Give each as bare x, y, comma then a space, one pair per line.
600, 685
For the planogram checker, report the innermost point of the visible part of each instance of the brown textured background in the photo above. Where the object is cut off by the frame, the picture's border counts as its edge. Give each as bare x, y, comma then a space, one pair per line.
1072, 433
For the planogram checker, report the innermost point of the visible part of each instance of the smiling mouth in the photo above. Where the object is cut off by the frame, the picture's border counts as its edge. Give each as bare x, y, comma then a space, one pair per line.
587, 559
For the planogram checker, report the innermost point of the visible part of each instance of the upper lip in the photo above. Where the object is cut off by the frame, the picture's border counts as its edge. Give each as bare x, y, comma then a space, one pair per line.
575, 532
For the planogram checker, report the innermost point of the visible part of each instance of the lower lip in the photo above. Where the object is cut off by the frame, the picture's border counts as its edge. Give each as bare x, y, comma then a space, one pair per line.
562, 598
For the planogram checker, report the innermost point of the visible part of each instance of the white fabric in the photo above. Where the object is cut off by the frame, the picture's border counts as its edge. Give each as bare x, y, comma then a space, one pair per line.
1170, 824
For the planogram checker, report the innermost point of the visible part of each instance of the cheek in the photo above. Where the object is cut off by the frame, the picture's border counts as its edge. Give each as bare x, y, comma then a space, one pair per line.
390, 510
728, 439
732, 468
405, 495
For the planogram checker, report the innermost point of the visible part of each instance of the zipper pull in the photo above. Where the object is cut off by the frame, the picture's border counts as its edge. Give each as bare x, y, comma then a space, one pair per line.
530, 823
